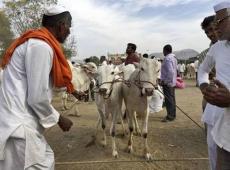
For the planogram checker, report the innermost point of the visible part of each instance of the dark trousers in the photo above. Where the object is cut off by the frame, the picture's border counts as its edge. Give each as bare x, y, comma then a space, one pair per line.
223, 159
170, 101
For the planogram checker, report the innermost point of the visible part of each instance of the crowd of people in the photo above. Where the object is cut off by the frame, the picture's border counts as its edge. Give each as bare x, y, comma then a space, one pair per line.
34, 64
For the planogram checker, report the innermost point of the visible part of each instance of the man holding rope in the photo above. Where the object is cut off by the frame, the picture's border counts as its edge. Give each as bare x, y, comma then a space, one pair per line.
32, 66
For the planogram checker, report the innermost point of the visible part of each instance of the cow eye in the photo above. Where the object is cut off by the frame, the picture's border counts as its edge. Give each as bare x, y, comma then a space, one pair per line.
112, 73
142, 68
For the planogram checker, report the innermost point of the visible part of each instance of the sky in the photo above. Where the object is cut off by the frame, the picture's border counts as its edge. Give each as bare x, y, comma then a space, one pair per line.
106, 26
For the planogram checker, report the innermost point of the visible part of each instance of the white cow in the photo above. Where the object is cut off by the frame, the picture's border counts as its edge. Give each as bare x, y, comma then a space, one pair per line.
143, 81
108, 99
81, 79
191, 73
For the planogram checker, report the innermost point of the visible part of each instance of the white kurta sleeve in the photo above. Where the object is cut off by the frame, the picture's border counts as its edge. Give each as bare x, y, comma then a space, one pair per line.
38, 64
206, 67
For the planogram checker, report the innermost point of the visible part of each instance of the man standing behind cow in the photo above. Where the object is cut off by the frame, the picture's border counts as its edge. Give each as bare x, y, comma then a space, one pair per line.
131, 54
218, 93
168, 82
33, 65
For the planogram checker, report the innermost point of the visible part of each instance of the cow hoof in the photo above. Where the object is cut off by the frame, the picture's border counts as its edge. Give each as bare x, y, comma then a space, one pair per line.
115, 154
148, 157
130, 149
103, 143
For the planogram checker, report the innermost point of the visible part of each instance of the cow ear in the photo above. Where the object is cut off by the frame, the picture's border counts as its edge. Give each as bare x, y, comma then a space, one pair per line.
137, 65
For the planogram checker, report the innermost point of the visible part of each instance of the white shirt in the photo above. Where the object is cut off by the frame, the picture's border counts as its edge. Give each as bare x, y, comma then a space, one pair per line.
196, 65
211, 114
181, 68
156, 102
25, 98
218, 57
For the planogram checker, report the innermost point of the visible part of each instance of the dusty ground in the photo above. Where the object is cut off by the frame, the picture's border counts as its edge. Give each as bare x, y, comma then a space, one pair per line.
169, 142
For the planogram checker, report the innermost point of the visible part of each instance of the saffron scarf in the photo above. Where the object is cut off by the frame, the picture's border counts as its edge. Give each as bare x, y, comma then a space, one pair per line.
61, 72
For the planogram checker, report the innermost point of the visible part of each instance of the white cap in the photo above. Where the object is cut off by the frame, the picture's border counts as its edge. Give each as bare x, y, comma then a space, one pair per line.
55, 10
221, 5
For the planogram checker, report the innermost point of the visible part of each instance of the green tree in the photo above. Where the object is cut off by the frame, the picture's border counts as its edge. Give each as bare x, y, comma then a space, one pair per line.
95, 60
6, 35
26, 14
70, 47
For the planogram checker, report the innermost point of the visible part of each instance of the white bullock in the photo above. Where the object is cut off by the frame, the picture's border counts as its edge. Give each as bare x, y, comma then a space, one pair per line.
82, 76
108, 99
190, 71
143, 81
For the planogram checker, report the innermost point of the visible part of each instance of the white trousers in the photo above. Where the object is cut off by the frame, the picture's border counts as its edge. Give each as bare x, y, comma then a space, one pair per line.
15, 157
211, 148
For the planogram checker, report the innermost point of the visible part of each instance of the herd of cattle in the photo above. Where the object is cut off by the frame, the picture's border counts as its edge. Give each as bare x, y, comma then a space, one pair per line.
115, 87
118, 86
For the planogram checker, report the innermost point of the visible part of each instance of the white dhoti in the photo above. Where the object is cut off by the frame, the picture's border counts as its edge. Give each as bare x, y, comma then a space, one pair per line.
15, 157
211, 148
21, 152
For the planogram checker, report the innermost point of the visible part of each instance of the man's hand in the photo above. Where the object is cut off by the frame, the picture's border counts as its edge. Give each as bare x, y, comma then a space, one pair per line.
65, 123
203, 87
79, 95
217, 94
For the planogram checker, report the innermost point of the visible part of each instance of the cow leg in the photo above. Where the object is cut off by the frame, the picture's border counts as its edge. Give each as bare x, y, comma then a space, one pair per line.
103, 125
112, 133
136, 125
147, 154
130, 142
97, 125
64, 101
122, 124
90, 96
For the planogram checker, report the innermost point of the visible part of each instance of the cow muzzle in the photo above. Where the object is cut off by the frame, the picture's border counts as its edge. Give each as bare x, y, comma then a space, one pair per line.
102, 91
149, 91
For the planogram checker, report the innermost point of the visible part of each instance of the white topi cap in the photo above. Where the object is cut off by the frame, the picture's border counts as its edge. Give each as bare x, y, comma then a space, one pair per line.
221, 5
55, 10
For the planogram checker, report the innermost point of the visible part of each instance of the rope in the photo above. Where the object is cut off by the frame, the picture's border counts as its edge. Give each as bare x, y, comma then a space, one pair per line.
132, 161
184, 112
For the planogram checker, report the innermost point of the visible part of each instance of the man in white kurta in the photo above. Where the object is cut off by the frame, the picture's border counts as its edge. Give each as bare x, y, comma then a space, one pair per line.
218, 57
26, 110
209, 116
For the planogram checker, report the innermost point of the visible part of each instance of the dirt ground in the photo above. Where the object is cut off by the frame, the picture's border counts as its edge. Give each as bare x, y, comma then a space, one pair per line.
177, 145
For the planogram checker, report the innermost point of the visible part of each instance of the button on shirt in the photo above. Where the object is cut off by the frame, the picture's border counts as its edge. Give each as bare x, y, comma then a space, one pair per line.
169, 70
